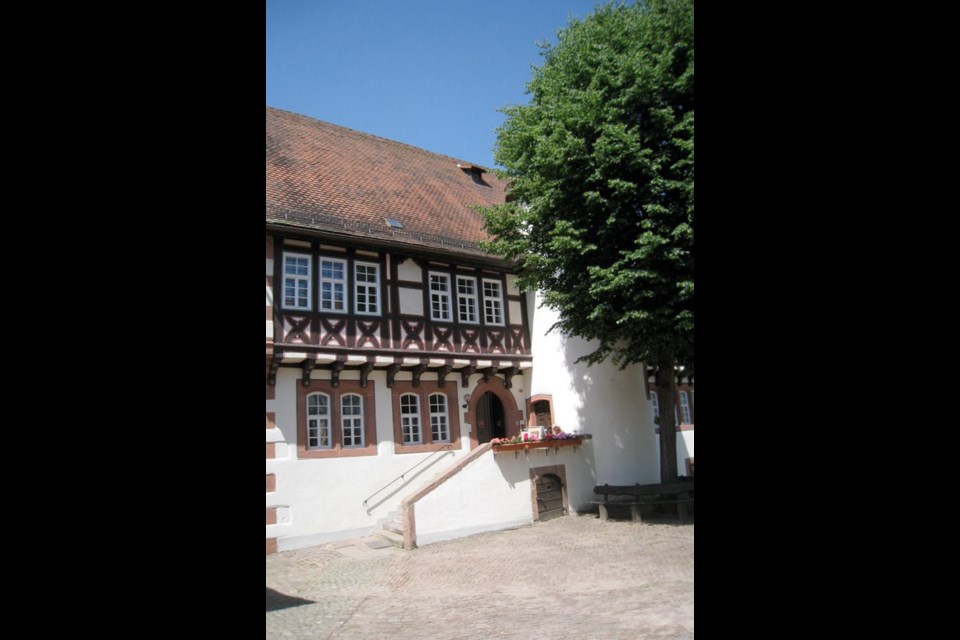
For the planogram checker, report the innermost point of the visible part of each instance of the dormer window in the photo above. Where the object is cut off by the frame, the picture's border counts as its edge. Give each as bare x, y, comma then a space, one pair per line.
473, 171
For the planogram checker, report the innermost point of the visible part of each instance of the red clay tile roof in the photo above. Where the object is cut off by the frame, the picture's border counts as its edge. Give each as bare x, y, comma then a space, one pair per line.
327, 177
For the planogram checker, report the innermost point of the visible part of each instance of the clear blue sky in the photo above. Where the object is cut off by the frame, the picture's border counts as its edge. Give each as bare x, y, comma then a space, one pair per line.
430, 73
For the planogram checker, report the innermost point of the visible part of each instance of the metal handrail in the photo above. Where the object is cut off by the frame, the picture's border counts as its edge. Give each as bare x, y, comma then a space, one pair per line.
403, 475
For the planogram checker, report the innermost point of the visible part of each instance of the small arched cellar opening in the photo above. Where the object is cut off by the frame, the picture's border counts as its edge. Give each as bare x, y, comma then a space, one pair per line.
549, 488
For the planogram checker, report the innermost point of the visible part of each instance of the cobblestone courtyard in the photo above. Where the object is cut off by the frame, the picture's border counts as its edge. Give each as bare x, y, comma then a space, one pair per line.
570, 578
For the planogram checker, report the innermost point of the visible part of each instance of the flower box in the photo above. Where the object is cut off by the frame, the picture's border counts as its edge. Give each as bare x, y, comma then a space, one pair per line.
538, 444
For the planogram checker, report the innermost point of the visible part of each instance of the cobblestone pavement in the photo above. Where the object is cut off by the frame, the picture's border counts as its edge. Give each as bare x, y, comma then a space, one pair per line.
569, 578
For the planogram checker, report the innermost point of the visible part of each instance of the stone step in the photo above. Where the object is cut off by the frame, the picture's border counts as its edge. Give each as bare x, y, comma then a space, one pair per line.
393, 525
396, 539
393, 521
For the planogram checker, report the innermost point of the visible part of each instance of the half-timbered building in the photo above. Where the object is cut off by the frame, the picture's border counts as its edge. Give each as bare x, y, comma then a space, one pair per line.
396, 350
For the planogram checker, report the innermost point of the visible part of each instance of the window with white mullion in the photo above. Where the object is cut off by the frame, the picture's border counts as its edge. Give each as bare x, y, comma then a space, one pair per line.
333, 285
439, 421
492, 302
467, 299
351, 420
318, 422
296, 281
366, 278
685, 407
440, 296
410, 419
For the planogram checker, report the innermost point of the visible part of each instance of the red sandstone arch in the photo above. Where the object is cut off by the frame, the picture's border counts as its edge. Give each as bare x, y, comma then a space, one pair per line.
511, 412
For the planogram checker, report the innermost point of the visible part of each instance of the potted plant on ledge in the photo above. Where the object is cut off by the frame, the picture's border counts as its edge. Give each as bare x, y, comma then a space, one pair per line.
528, 441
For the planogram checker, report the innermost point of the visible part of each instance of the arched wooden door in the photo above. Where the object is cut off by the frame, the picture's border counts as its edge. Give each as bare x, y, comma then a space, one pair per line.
549, 497
490, 418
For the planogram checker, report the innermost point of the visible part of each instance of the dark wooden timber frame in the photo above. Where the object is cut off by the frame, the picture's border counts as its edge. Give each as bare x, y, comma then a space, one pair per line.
390, 333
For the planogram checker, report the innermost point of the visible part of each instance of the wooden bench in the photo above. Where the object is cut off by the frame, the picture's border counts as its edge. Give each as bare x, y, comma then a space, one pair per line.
635, 496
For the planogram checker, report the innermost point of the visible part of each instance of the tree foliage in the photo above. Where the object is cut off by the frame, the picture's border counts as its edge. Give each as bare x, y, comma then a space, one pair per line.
600, 214
600, 164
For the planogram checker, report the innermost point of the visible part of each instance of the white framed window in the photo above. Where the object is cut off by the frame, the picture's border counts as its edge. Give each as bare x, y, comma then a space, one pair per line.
410, 419
439, 421
440, 296
492, 302
685, 407
296, 281
655, 403
333, 285
366, 278
467, 299
318, 421
351, 420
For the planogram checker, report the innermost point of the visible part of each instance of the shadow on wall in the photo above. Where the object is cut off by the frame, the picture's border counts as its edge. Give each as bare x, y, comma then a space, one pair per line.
277, 600
580, 375
404, 482
514, 466
572, 348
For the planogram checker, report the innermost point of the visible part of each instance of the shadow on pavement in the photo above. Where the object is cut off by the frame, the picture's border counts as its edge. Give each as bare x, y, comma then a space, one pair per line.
277, 600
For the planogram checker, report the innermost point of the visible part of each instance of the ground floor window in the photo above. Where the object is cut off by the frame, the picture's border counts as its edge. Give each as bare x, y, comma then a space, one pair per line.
336, 421
426, 404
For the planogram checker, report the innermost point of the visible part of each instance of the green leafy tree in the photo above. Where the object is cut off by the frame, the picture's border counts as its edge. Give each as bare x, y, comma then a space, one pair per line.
600, 212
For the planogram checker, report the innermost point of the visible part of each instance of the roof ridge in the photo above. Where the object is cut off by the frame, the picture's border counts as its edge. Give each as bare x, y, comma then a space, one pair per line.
381, 138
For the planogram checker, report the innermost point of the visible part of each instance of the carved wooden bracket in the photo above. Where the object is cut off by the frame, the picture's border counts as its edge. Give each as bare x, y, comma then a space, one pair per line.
465, 374
308, 366
489, 372
417, 372
391, 372
508, 374
274, 363
335, 370
442, 374
365, 370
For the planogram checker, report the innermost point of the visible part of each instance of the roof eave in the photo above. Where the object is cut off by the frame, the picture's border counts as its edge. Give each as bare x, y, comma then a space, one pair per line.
468, 258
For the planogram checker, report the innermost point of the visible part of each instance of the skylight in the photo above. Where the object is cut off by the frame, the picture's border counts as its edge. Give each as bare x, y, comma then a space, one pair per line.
394, 224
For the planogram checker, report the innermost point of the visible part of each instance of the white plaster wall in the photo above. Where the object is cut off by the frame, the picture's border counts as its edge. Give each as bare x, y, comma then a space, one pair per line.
324, 497
516, 316
408, 270
411, 301
601, 400
684, 450
494, 492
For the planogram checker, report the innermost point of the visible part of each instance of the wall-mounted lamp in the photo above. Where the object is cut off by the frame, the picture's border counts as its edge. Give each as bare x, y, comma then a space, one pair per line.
466, 400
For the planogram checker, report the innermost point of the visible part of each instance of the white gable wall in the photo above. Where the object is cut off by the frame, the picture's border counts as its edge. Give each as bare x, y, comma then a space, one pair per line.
601, 400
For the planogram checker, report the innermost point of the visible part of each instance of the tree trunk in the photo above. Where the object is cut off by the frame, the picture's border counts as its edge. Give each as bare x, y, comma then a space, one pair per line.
666, 382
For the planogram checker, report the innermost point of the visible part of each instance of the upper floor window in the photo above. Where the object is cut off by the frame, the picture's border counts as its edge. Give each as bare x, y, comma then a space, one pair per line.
439, 422
655, 403
351, 420
440, 296
492, 302
467, 299
367, 286
410, 418
296, 281
318, 421
333, 285
685, 408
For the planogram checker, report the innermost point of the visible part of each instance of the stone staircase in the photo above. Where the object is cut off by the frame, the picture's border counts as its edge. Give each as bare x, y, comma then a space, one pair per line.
391, 528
